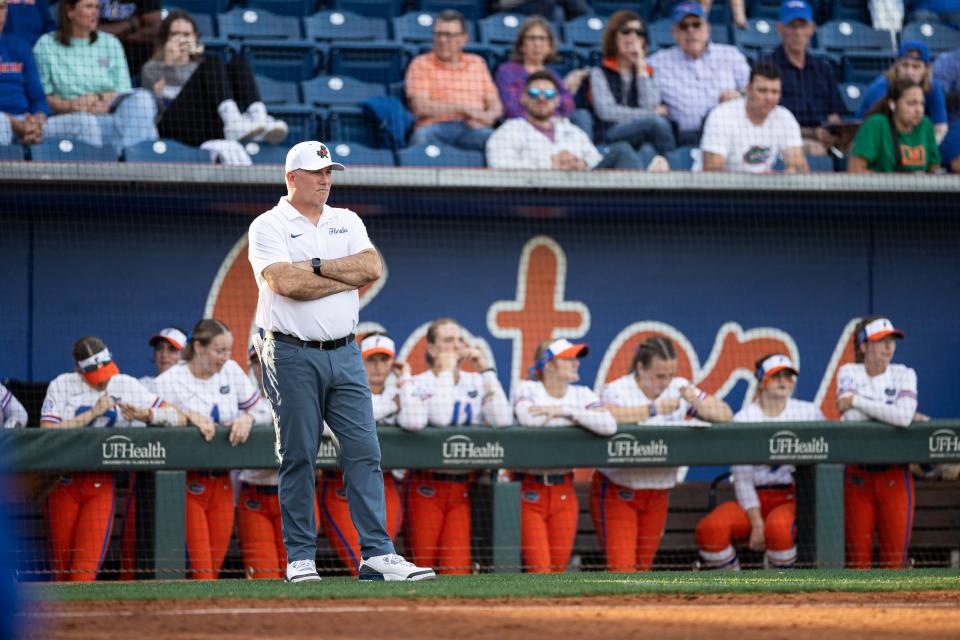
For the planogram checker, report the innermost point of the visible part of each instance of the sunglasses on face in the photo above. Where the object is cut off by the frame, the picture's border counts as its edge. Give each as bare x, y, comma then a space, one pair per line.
546, 94
626, 31
686, 26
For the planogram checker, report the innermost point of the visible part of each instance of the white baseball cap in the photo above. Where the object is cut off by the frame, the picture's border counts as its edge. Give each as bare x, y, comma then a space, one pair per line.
312, 156
878, 330
372, 345
172, 335
775, 364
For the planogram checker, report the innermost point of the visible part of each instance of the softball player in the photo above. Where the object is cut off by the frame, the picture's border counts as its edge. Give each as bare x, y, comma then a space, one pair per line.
549, 508
167, 344
629, 506
393, 404
80, 509
763, 515
437, 503
877, 497
211, 389
12, 413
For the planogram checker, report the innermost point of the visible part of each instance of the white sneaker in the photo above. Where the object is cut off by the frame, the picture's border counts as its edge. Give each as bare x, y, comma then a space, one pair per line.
302, 571
242, 129
274, 131
392, 568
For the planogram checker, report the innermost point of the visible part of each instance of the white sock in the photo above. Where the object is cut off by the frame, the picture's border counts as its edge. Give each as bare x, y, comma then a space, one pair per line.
229, 111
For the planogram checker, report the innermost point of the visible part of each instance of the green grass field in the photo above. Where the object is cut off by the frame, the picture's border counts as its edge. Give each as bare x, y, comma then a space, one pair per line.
514, 585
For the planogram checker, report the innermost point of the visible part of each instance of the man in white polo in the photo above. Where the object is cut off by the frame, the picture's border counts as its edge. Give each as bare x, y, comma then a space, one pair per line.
309, 260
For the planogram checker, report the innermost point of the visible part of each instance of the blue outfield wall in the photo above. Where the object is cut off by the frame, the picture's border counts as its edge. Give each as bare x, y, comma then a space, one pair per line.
120, 260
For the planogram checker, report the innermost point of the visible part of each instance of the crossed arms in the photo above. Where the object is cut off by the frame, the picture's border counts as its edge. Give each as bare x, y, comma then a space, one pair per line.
297, 281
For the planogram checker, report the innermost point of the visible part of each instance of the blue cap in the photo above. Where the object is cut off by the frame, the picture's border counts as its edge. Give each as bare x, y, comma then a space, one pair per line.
795, 10
685, 9
921, 49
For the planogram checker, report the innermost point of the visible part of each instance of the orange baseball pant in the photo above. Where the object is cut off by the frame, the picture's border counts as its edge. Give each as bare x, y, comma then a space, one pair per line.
128, 537
881, 501
338, 524
209, 522
629, 522
548, 518
437, 528
260, 532
79, 514
728, 524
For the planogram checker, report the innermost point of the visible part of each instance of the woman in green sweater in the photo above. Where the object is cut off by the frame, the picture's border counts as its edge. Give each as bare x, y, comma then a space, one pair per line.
896, 122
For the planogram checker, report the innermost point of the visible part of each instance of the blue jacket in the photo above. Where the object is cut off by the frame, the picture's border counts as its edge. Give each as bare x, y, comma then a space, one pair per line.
20, 88
29, 19
935, 104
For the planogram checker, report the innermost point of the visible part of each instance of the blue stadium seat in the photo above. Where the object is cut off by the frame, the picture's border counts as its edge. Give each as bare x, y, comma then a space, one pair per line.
11, 152
471, 9
339, 90
842, 36
759, 38
585, 31
719, 12
369, 61
680, 159
852, 95
644, 8
660, 36
70, 151
417, 27
569, 59
820, 164
865, 66
343, 25
165, 151
304, 121
433, 155
249, 24
298, 8
372, 8
284, 61
351, 124
938, 37
849, 10
492, 54
277, 92
266, 153
209, 7
352, 153
720, 33
769, 9
500, 28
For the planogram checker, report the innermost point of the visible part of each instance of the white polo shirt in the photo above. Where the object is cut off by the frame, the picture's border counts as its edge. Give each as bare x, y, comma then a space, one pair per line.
283, 234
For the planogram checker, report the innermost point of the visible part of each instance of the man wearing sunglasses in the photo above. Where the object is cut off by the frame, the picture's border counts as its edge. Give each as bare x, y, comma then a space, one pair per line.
451, 92
697, 74
544, 140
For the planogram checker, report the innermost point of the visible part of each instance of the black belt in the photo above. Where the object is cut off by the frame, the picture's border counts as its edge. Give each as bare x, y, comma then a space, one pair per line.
548, 479
774, 487
326, 345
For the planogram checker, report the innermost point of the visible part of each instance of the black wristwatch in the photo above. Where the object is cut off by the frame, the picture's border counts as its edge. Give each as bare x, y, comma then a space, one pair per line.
317, 265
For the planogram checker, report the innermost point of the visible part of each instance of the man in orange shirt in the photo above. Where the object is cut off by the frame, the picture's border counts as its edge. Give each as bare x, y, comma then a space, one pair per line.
451, 92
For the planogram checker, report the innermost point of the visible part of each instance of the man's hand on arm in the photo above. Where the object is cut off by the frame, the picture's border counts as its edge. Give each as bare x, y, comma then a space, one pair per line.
795, 161
292, 281
356, 270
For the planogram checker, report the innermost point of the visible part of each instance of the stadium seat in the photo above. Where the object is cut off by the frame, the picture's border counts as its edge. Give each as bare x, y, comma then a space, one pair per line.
304, 121
852, 95
719, 12
720, 33
266, 153
471, 9
585, 31
433, 155
680, 159
500, 28
352, 153
417, 27
371, 62
842, 36
11, 152
769, 9
820, 164
277, 92
343, 25
938, 37
660, 36
298, 8
195, 7
759, 38
569, 59
165, 151
248, 24
351, 124
849, 10
284, 61
337, 90
70, 151
865, 66
371, 8
492, 54
643, 8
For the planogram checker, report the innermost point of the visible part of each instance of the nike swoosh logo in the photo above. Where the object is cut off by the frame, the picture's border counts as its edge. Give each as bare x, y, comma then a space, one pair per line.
296, 236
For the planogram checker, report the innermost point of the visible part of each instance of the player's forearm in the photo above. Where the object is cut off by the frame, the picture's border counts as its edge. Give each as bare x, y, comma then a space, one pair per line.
527, 419
713, 409
600, 422
413, 411
629, 415
497, 411
898, 414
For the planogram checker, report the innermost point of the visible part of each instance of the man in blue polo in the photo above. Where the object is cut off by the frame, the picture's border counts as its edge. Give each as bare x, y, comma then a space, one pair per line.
809, 88
309, 260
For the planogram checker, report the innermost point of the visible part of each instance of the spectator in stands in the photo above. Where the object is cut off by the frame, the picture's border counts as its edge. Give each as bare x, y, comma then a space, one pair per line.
697, 74
550, 8
28, 20
167, 344
451, 92
85, 71
896, 123
23, 106
201, 98
624, 94
135, 23
629, 505
913, 64
551, 398
738, 12
544, 140
748, 134
12, 413
946, 70
809, 87
947, 11
950, 148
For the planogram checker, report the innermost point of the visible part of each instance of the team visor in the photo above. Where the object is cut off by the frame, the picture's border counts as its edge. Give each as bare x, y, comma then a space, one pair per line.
98, 368
774, 365
372, 345
878, 330
561, 348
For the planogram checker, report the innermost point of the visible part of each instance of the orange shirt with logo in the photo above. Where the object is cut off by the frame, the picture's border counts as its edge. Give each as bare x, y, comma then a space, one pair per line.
467, 83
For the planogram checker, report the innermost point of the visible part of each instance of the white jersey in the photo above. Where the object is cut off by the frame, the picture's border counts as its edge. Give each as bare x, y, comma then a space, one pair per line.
747, 477
747, 147
625, 392
149, 382
464, 402
580, 405
69, 395
398, 405
223, 396
890, 397
12, 413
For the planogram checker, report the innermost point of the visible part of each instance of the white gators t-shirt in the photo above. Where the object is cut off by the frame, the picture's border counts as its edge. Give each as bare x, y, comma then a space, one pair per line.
69, 395
746, 477
890, 397
747, 147
222, 396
